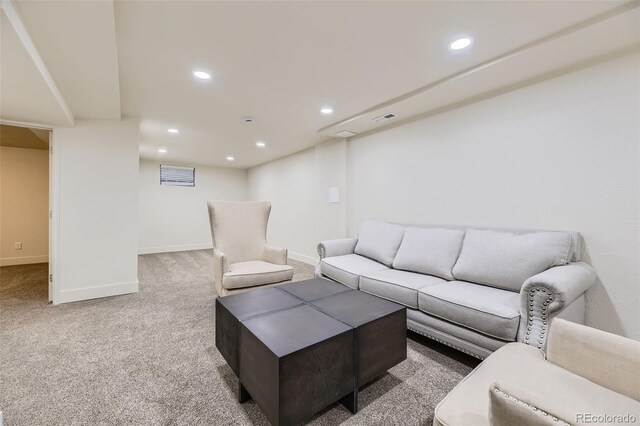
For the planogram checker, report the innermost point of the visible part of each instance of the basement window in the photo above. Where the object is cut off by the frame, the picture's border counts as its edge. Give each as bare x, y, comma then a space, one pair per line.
177, 175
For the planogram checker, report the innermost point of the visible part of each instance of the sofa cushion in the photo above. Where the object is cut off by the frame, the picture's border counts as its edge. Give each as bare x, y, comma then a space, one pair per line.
379, 241
462, 338
255, 272
398, 286
507, 260
488, 310
348, 268
431, 251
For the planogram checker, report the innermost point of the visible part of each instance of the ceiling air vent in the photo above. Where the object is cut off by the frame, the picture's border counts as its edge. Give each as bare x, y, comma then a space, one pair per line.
344, 134
383, 118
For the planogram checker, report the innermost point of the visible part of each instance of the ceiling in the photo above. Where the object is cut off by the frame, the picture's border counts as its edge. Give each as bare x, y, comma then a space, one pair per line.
81, 53
279, 62
58, 62
23, 137
25, 95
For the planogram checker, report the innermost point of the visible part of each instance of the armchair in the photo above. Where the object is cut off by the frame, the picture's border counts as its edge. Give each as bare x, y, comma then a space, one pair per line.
241, 257
589, 376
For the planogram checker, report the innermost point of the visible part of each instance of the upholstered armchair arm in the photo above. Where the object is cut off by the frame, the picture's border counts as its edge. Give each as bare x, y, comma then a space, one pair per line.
510, 405
339, 247
220, 266
603, 358
545, 295
275, 255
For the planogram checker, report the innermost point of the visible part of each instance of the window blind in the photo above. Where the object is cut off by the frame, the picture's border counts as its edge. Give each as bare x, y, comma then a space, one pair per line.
178, 176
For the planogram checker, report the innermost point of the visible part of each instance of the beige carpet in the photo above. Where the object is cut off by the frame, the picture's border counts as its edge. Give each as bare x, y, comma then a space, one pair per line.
150, 358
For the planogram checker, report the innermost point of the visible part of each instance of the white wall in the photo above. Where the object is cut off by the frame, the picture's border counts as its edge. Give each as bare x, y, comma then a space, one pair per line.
331, 171
562, 154
298, 188
175, 218
24, 205
289, 183
96, 209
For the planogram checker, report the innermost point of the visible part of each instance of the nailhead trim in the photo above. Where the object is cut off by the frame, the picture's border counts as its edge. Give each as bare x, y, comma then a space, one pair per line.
532, 407
446, 343
540, 335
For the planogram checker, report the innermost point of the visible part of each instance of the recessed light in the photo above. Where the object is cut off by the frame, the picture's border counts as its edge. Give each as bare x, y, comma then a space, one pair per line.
162, 150
461, 43
202, 75
326, 110
230, 158
174, 131
261, 144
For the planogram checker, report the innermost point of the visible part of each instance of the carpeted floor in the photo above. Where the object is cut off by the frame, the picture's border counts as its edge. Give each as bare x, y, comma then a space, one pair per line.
150, 359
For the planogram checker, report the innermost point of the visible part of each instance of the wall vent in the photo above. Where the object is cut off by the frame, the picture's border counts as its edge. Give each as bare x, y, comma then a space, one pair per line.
383, 118
344, 134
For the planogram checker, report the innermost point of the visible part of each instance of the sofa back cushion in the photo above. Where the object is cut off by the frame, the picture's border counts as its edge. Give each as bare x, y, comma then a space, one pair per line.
379, 241
431, 251
507, 260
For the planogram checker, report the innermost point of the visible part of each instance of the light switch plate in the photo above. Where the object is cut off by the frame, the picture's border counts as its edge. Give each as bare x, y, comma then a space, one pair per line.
334, 194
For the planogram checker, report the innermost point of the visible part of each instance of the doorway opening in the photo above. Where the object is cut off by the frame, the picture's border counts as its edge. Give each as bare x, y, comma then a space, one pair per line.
25, 164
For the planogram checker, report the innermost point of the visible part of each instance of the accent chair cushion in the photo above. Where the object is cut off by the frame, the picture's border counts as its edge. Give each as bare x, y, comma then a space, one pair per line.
507, 260
379, 241
399, 286
431, 251
255, 272
488, 310
512, 362
348, 268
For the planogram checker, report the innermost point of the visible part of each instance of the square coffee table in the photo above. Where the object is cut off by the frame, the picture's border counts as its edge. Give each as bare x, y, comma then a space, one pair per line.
299, 347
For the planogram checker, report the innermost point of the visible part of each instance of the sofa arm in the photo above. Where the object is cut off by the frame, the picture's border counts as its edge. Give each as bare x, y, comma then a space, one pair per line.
339, 247
545, 295
275, 255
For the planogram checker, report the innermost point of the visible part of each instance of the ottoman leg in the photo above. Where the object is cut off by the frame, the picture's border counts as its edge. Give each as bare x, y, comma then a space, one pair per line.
243, 395
351, 401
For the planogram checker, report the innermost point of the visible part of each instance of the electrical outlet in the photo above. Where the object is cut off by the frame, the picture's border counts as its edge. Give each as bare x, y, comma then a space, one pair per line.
17, 245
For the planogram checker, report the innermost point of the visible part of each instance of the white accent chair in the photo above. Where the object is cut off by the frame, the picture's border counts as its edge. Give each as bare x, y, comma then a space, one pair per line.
589, 376
241, 257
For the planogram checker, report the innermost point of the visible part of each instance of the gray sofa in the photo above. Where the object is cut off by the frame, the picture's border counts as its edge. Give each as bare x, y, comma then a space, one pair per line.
473, 289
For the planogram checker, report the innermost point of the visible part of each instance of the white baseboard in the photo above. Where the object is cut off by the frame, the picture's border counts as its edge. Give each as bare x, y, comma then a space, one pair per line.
86, 293
25, 260
303, 258
204, 246
168, 249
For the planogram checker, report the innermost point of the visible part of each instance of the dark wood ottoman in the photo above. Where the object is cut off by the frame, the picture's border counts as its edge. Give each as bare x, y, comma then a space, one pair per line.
380, 338
299, 347
295, 362
231, 310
